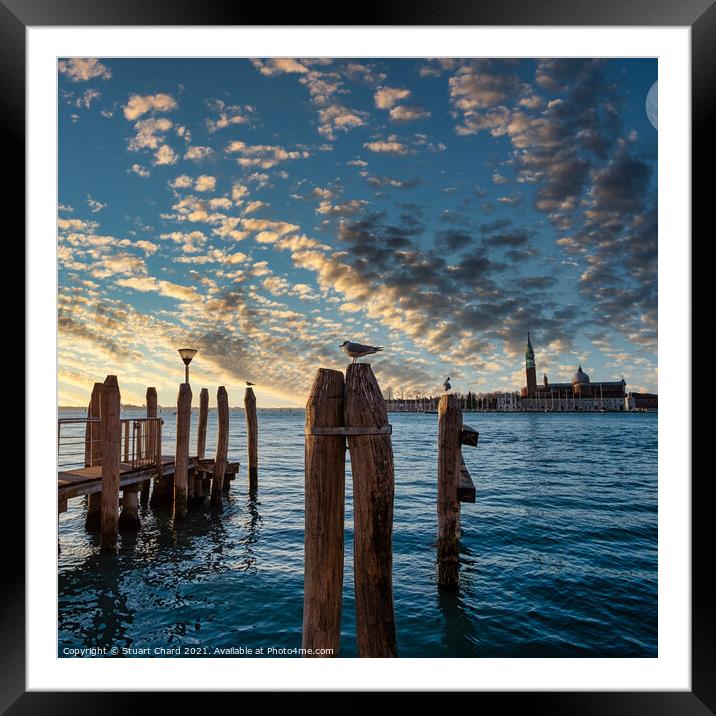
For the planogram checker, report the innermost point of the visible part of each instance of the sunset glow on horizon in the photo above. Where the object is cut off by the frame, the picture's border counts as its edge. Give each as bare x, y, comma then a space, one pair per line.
264, 211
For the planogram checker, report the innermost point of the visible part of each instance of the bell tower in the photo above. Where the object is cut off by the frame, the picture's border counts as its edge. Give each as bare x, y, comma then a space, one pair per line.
530, 370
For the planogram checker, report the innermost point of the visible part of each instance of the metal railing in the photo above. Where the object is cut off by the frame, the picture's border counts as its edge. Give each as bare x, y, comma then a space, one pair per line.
79, 442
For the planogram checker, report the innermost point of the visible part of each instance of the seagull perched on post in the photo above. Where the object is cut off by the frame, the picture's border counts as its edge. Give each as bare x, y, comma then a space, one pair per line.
446, 384
358, 350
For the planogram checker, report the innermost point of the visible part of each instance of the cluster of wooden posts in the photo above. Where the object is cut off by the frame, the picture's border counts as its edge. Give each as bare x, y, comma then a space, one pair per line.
178, 479
340, 410
352, 409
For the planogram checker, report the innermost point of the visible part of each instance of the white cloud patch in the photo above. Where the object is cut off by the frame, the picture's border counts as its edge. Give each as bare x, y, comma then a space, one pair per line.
279, 65
197, 154
402, 113
137, 105
165, 155
388, 97
94, 205
263, 156
140, 170
82, 69
336, 118
205, 183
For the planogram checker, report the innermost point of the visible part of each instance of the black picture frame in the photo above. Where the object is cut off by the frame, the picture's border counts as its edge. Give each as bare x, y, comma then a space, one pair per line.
699, 15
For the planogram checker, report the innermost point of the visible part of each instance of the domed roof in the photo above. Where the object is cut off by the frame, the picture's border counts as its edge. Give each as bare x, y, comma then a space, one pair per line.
580, 376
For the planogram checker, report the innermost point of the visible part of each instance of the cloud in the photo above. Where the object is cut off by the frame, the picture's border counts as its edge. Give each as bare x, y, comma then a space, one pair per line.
137, 105
280, 65
183, 181
197, 154
390, 147
146, 284
165, 155
87, 97
402, 113
149, 133
337, 118
190, 242
82, 69
388, 97
263, 156
94, 205
205, 183
228, 115
140, 170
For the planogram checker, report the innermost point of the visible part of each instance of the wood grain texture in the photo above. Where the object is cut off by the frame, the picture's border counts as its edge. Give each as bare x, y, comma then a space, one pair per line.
203, 420
152, 437
324, 514
449, 460
252, 438
111, 444
93, 448
373, 491
222, 447
181, 460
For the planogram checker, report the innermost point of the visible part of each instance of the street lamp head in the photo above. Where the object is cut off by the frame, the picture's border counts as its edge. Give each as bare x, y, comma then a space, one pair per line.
187, 354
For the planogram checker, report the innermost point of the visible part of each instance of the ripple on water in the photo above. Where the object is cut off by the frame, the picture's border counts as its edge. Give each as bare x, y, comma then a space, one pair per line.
558, 555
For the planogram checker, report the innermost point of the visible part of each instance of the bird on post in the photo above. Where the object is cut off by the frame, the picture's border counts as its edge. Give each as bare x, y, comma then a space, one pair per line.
249, 383
358, 350
446, 384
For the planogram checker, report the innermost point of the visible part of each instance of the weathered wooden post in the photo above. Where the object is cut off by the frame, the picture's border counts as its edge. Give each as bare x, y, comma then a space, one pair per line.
252, 438
449, 466
129, 516
324, 512
200, 475
152, 436
371, 453
93, 452
126, 440
222, 447
111, 443
181, 459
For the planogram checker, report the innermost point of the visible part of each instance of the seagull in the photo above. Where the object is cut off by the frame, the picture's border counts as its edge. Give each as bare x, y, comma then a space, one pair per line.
358, 350
249, 383
446, 384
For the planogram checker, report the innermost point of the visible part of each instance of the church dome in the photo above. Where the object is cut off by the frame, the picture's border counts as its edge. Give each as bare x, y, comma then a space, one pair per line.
580, 376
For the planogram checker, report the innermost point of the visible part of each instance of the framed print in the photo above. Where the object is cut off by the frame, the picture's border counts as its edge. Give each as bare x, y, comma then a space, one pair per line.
367, 343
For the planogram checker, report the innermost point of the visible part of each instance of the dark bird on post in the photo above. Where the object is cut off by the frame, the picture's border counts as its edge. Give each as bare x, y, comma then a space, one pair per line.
358, 350
446, 384
249, 383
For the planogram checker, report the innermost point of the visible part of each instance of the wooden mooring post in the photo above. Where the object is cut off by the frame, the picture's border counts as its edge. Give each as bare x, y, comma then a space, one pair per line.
449, 454
200, 475
129, 516
111, 442
222, 448
324, 514
373, 491
163, 490
93, 452
454, 486
152, 437
181, 460
252, 438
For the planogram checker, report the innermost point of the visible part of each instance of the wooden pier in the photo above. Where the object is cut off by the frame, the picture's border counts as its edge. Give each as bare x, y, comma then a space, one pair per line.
104, 455
88, 480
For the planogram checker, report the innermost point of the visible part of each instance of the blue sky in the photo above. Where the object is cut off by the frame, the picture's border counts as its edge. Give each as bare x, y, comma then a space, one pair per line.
263, 211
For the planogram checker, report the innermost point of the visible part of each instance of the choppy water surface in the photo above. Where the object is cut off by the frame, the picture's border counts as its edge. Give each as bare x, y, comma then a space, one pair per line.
559, 553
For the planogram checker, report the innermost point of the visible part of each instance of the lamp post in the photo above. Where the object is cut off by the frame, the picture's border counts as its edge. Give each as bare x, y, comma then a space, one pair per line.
186, 355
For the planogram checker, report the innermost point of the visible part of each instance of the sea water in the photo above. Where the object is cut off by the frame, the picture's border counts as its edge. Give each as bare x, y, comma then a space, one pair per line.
558, 554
